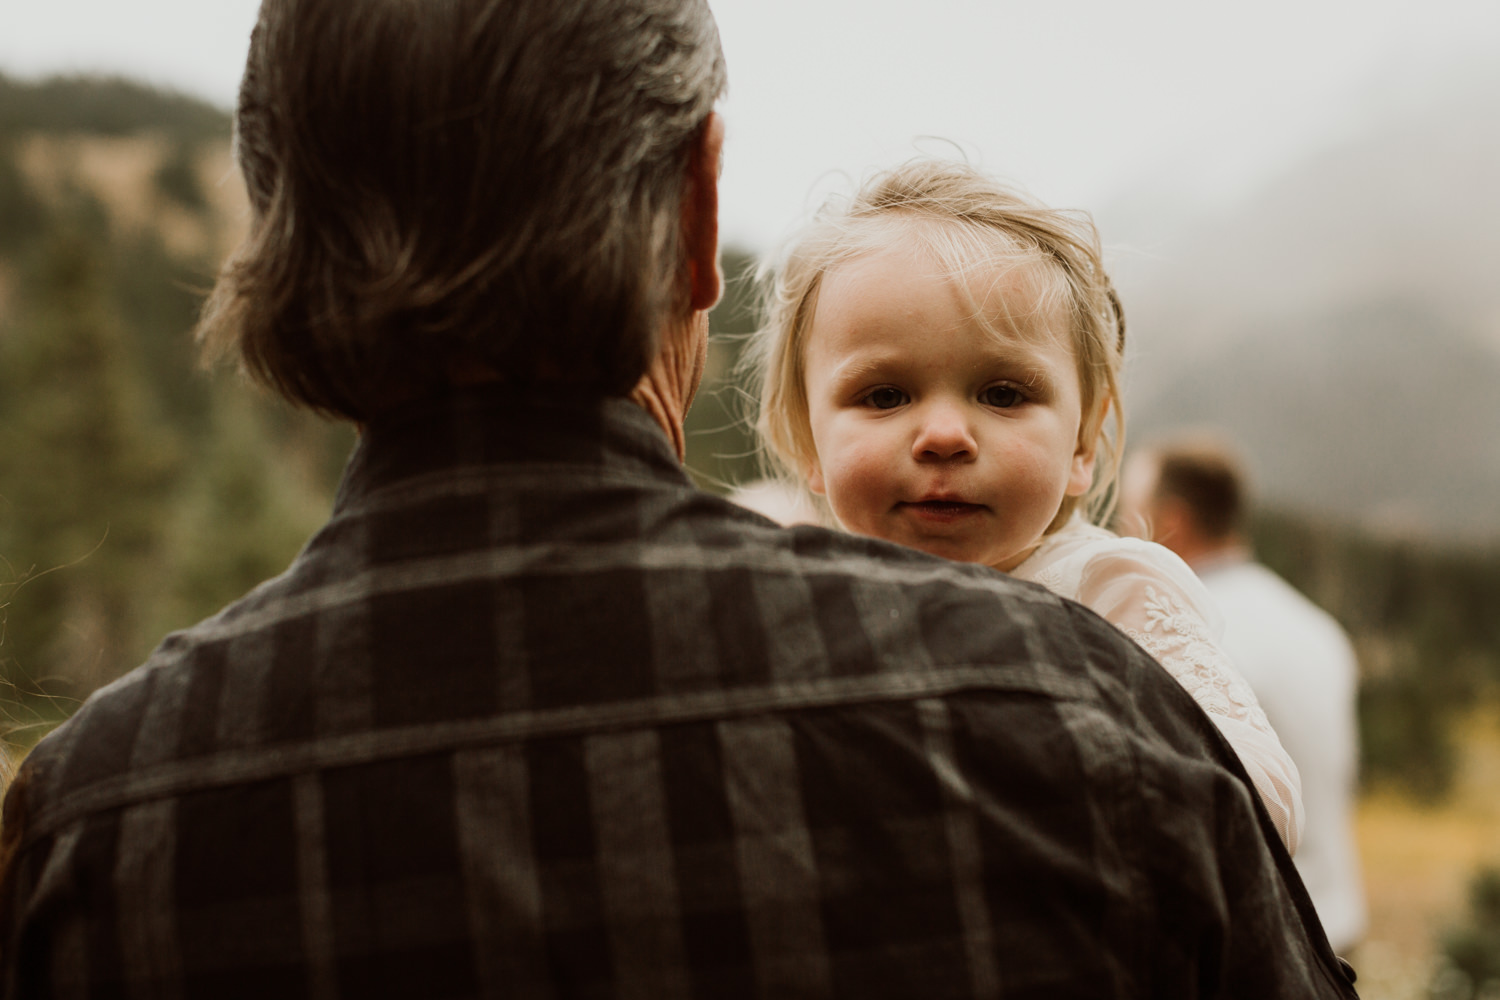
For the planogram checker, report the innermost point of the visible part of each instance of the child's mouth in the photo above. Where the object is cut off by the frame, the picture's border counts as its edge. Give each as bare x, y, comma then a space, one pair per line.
943, 510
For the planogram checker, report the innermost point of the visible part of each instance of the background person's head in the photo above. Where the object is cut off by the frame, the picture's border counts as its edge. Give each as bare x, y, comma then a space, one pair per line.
978, 232
466, 190
1188, 494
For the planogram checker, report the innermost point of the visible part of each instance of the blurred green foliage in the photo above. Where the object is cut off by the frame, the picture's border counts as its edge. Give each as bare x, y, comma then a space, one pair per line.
22, 219
137, 493
1425, 621
106, 106
721, 440
1470, 964
177, 178
85, 465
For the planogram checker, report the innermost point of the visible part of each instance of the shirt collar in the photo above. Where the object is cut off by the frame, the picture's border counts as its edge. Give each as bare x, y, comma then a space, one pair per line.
502, 426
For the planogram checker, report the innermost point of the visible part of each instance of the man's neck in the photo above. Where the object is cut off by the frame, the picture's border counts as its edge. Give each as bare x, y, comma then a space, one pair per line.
1220, 556
666, 409
667, 389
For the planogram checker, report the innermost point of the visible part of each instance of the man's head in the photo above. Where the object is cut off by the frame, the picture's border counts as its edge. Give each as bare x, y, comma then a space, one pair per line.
465, 190
1187, 494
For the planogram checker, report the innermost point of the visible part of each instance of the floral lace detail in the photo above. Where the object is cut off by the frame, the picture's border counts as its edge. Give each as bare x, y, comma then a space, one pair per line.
1052, 578
1180, 641
1153, 597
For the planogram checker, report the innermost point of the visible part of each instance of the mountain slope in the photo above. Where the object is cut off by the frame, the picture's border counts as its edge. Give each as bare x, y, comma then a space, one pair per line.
1342, 325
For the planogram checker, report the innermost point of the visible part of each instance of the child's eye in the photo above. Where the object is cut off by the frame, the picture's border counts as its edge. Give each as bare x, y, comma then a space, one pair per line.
1001, 396
886, 398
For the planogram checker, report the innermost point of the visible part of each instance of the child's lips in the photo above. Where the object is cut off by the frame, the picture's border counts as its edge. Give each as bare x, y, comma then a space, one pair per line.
943, 511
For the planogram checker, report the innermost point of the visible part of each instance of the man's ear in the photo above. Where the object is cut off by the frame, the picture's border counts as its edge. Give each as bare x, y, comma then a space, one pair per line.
700, 216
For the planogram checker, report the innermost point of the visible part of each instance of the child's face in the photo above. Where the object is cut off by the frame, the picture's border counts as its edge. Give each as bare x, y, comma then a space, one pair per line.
932, 431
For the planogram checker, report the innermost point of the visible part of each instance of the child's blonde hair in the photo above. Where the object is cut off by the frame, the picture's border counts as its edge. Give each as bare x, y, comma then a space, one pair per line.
967, 222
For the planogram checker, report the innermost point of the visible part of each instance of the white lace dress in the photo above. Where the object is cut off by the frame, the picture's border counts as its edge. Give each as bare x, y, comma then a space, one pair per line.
1147, 592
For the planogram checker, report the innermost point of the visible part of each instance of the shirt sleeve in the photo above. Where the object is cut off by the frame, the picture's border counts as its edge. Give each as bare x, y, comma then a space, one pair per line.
1153, 597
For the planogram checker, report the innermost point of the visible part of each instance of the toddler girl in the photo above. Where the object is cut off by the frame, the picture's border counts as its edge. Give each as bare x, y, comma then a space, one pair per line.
938, 362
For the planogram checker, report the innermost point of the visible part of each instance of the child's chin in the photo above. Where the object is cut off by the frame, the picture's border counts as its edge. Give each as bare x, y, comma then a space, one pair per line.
955, 553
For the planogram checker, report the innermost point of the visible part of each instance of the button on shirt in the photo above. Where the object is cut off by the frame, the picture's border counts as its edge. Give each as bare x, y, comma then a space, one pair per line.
534, 717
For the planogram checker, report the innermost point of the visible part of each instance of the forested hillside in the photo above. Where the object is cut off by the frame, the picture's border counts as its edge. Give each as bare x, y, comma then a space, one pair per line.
136, 493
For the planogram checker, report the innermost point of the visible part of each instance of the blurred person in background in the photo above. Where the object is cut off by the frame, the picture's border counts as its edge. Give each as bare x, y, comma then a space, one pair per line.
1190, 494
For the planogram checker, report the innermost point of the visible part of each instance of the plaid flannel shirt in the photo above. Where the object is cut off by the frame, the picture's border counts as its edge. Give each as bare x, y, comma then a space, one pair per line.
532, 717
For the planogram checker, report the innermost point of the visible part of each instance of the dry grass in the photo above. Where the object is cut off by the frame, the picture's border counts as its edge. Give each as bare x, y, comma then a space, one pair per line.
1417, 864
120, 171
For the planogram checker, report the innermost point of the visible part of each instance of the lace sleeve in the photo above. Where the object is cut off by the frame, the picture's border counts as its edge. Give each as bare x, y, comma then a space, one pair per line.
1152, 596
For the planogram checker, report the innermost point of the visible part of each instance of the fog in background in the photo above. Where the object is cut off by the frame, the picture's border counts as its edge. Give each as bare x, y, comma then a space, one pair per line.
1080, 102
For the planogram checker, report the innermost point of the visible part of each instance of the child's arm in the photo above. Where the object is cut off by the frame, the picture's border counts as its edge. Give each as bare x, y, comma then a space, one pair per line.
1150, 594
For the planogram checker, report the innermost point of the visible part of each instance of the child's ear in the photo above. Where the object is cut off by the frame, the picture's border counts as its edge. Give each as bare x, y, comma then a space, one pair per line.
815, 477
1081, 475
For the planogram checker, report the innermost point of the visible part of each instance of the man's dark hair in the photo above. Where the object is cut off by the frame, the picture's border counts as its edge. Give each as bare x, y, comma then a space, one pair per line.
462, 188
1207, 477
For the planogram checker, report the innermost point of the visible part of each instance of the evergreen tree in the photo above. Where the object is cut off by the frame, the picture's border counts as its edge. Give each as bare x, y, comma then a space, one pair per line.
85, 473
244, 511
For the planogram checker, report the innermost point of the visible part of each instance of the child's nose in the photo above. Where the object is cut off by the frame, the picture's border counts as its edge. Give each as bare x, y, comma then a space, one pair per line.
943, 435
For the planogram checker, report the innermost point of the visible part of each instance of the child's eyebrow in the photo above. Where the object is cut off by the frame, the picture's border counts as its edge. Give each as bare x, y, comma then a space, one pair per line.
1022, 360
1017, 360
861, 366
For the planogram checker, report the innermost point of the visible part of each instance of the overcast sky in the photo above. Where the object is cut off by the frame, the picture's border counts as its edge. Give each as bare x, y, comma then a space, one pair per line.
1076, 100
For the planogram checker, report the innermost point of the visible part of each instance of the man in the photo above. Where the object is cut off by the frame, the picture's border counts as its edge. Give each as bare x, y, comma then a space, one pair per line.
531, 716
1293, 654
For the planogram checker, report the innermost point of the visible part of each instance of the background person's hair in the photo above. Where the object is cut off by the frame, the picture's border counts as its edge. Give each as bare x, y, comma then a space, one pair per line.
969, 224
1207, 476
474, 187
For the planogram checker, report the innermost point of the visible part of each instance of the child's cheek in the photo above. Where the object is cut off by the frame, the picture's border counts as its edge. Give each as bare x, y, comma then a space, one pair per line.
862, 474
